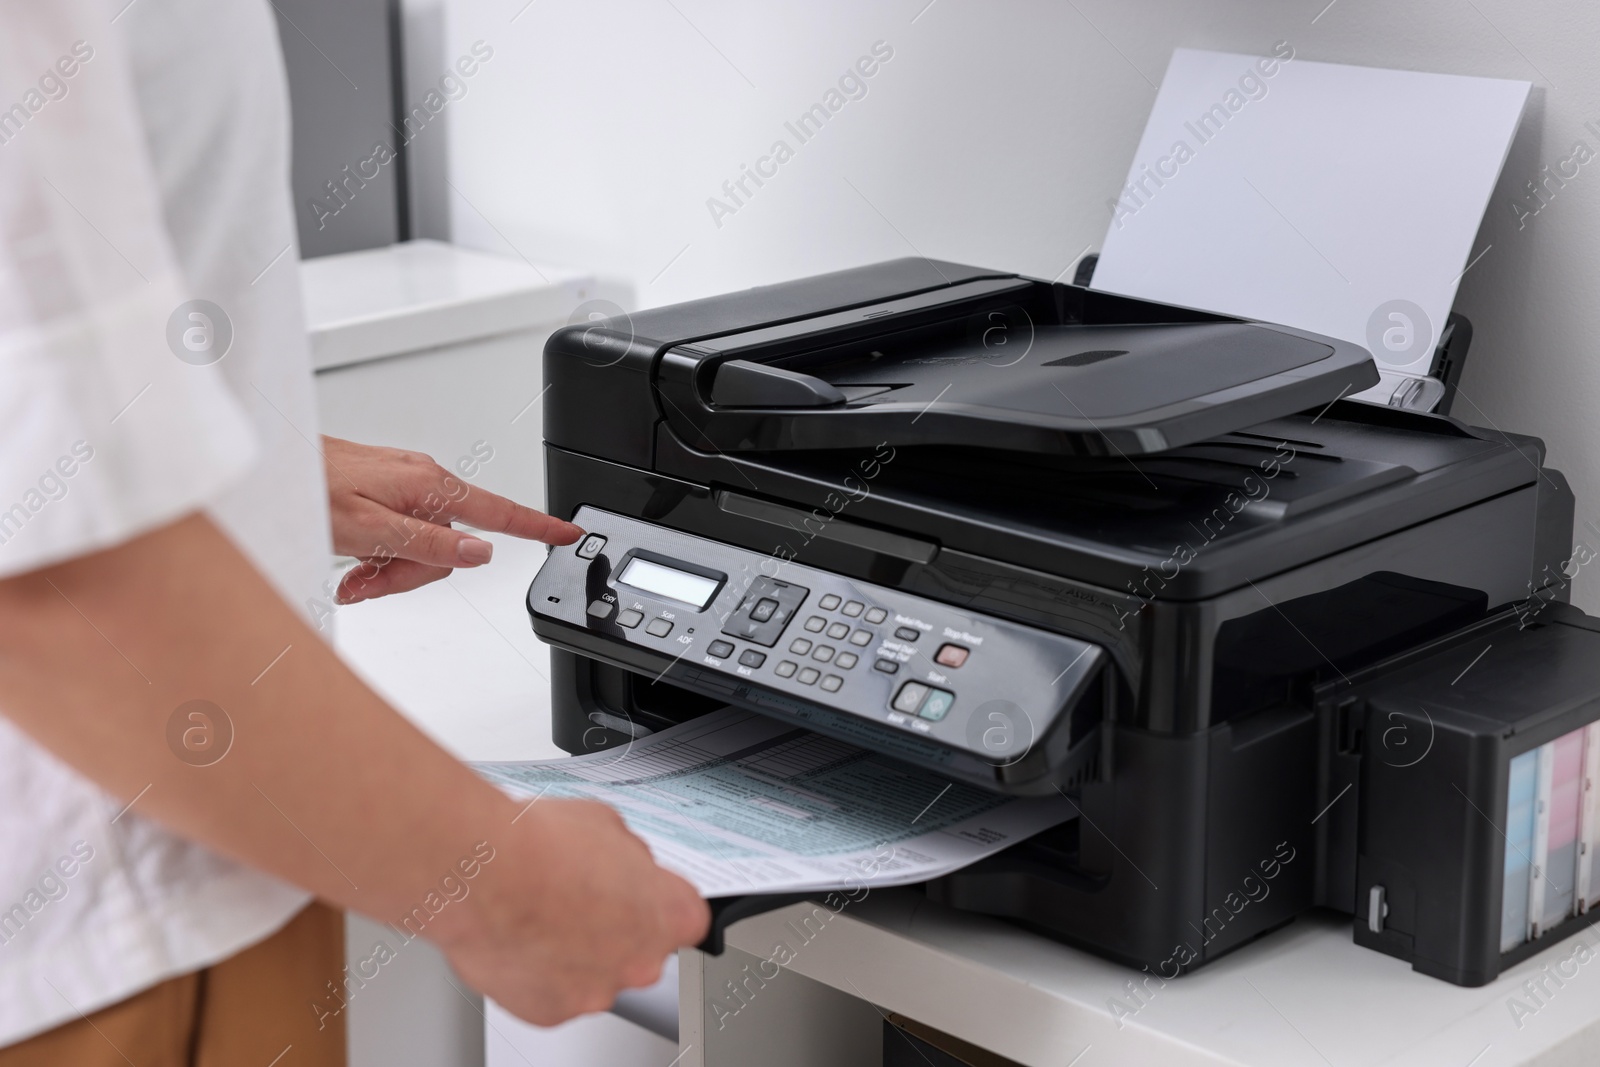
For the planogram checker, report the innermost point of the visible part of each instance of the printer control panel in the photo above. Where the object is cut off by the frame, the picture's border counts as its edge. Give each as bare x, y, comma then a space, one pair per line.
885, 669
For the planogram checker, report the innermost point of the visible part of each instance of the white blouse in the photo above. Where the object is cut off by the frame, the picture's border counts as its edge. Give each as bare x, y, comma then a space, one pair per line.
144, 158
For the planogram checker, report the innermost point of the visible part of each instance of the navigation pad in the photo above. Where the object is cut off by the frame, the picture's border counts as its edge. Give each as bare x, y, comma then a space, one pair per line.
767, 607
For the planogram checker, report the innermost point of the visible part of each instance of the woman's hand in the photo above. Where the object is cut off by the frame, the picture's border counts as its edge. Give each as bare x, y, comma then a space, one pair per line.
572, 911
392, 509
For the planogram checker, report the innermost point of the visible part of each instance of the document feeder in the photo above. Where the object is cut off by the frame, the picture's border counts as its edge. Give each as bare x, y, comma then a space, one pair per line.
1282, 649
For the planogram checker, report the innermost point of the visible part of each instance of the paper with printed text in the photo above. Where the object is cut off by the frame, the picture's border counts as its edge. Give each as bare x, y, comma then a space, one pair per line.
739, 804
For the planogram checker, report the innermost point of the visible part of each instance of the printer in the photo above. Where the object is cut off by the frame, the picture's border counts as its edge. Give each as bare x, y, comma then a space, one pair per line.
1279, 648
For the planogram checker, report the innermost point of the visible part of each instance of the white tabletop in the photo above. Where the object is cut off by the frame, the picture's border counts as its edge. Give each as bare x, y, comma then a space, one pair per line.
1305, 994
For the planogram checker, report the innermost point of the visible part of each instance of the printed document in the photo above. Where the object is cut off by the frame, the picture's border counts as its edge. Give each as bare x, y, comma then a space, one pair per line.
737, 803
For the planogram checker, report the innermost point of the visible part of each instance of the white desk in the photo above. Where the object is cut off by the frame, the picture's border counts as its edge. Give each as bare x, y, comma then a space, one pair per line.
1303, 995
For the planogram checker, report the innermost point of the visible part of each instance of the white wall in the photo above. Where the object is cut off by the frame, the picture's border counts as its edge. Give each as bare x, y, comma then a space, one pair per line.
995, 135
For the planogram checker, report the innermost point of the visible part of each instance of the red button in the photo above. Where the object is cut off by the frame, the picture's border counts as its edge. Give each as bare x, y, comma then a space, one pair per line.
951, 655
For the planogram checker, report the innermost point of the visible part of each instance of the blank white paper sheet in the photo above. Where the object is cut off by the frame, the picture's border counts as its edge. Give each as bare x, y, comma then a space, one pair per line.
1337, 199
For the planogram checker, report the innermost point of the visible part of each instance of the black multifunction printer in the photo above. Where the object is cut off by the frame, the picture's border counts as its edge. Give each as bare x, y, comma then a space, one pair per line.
1043, 539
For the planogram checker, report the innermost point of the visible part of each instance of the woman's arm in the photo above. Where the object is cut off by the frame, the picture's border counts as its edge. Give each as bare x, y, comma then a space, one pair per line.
324, 784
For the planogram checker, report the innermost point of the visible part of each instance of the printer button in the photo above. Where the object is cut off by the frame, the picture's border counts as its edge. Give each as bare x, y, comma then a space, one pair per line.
633, 617
600, 609
751, 658
951, 656
785, 669
861, 638
828, 603
853, 608
845, 661
765, 611
717, 649
838, 630
832, 683
823, 653
816, 623
907, 633
808, 676
800, 646
877, 615
909, 699
658, 627
591, 546
887, 666
937, 706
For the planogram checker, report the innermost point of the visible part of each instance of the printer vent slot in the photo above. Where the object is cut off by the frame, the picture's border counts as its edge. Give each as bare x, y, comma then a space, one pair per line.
1082, 776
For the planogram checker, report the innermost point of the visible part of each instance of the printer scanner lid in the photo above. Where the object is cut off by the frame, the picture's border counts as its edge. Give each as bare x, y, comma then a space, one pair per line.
983, 359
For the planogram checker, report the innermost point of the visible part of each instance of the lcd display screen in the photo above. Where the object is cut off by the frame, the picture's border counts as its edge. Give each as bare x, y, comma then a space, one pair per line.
669, 582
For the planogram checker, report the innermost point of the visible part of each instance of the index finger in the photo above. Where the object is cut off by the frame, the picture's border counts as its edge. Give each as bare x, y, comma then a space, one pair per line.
490, 511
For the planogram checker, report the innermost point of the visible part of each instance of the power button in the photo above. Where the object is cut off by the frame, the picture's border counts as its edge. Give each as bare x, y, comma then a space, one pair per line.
591, 546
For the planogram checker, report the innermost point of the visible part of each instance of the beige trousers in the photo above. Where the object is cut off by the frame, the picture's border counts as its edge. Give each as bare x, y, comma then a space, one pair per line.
251, 1010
